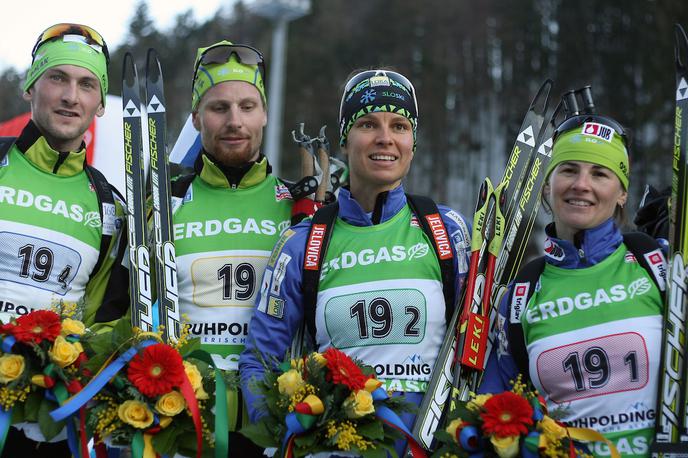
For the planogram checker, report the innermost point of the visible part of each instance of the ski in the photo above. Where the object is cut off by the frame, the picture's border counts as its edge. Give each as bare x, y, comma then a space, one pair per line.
142, 314
446, 372
671, 434
163, 244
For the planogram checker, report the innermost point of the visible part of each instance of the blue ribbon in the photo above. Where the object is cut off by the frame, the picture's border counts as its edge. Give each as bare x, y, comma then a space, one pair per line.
469, 438
5, 421
97, 383
72, 439
293, 427
379, 394
7, 343
387, 414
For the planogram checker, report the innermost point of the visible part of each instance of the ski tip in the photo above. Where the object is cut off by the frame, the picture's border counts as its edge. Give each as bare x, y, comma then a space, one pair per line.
153, 68
542, 96
129, 74
681, 45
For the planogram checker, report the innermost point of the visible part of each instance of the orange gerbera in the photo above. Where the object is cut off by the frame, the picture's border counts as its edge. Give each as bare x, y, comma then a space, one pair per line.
343, 371
37, 326
506, 414
156, 370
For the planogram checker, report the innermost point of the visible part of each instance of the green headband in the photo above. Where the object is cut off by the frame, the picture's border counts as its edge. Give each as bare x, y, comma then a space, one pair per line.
64, 52
210, 75
592, 143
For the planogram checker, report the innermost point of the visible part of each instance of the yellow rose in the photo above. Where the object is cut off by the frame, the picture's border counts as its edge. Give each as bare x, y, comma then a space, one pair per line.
505, 447
550, 428
170, 404
359, 404
72, 327
64, 353
289, 382
477, 402
196, 380
135, 413
11, 367
194, 375
454, 426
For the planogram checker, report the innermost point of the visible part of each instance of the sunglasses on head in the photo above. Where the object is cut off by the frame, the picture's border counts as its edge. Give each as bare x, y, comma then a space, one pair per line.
221, 54
580, 120
578, 117
369, 74
73, 32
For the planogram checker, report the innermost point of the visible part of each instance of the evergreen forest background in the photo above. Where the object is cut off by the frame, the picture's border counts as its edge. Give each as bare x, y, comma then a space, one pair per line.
475, 65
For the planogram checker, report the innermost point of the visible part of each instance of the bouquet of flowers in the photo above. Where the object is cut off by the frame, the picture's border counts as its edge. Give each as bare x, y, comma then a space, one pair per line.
325, 402
509, 424
147, 395
41, 361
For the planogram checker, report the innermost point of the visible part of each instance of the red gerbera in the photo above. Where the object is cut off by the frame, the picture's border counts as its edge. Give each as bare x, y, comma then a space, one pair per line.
156, 370
506, 414
343, 371
37, 326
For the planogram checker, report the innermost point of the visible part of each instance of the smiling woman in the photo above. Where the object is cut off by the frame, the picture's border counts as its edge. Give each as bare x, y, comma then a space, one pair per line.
584, 323
374, 274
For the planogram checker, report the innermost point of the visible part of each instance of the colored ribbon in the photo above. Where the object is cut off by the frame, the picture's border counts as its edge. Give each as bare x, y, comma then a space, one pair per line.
59, 394
221, 420
97, 383
589, 435
192, 403
297, 423
388, 416
7, 343
221, 415
5, 422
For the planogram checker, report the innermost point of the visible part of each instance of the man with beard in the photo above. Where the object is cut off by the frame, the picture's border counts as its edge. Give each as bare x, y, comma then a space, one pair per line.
229, 213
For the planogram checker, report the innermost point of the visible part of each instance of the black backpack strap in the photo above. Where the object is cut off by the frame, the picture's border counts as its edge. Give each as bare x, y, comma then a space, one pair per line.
181, 184
649, 254
5, 145
316, 246
432, 224
522, 290
106, 208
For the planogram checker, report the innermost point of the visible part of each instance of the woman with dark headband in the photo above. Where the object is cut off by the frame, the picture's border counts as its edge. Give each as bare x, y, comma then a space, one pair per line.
584, 323
375, 290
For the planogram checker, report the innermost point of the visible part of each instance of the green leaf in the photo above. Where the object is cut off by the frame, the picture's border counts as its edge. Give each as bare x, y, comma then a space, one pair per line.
165, 441
378, 452
260, 434
443, 436
49, 428
306, 440
96, 362
190, 346
372, 430
122, 332
31, 405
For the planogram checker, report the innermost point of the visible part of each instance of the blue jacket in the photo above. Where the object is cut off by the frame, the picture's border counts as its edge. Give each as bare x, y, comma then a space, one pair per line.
595, 245
273, 336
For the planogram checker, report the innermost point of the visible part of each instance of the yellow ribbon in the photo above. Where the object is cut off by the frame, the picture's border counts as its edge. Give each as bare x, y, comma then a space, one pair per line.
148, 450
586, 435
